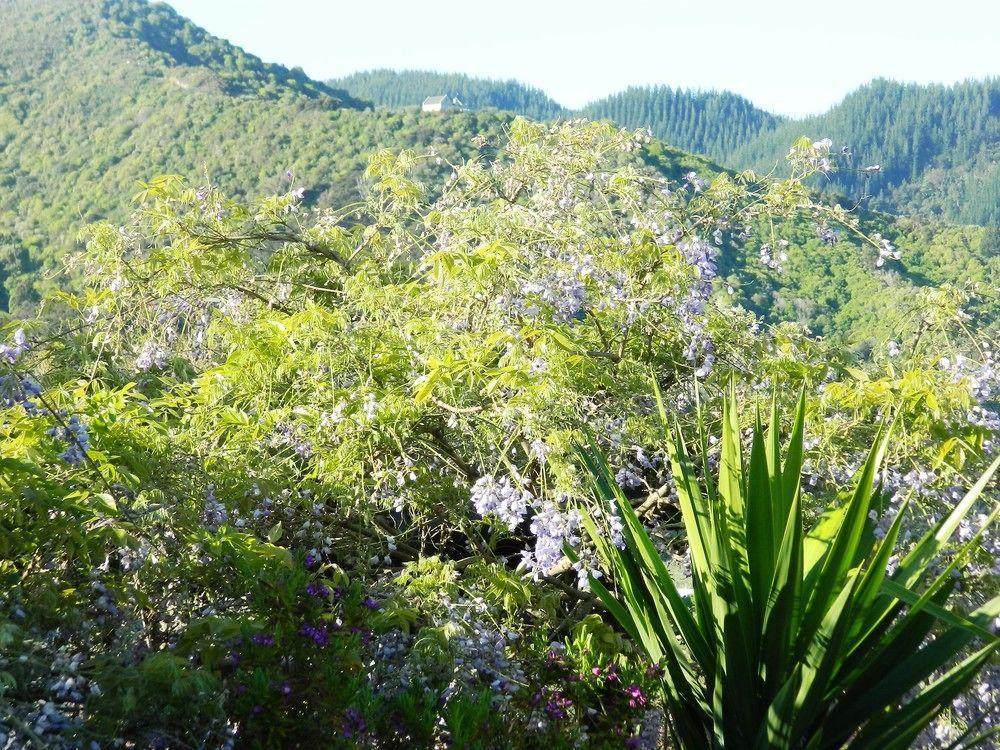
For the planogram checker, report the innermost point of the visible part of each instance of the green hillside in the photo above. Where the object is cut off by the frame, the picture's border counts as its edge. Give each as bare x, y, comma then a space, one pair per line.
938, 147
711, 123
97, 95
408, 88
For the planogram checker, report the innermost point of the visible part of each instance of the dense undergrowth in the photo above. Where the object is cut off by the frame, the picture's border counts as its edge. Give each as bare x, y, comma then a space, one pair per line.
292, 477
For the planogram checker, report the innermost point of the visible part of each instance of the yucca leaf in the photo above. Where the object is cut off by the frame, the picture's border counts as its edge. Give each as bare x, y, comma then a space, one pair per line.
732, 490
738, 684
903, 663
842, 551
661, 584
710, 487
654, 633
821, 658
921, 602
644, 599
945, 575
735, 695
731, 486
779, 502
759, 524
645, 595
912, 567
819, 539
784, 603
694, 512
698, 523
620, 614
907, 673
776, 730
731, 571
870, 589
898, 728
791, 475
969, 738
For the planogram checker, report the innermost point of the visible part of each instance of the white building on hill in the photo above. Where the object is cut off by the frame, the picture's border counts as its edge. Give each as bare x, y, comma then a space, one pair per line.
438, 104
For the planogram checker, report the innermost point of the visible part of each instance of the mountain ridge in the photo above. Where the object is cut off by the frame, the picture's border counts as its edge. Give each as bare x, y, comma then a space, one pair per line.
163, 31
100, 94
89, 106
937, 146
381, 86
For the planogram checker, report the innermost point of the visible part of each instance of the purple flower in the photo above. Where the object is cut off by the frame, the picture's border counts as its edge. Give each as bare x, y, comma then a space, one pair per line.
75, 434
557, 705
552, 529
828, 235
635, 696
354, 723
319, 590
317, 634
499, 497
13, 352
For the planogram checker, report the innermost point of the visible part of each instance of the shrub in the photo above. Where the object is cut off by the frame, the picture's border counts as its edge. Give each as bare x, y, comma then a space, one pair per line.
789, 638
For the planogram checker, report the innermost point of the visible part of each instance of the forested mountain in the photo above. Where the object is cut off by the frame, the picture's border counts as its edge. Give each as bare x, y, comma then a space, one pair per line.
937, 147
407, 88
36, 34
712, 123
98, 94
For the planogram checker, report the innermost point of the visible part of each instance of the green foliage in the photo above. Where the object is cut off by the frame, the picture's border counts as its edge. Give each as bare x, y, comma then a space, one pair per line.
791, 638
711, 123
831, 290
79, 127
265, 445
936, 145
409, 88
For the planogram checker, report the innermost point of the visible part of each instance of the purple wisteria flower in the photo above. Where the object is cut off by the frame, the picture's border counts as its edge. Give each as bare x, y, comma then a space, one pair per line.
699, 349
13, 351
553, 528
74, 434
152, 356
215, 513
500, 498
318, 590
354, 723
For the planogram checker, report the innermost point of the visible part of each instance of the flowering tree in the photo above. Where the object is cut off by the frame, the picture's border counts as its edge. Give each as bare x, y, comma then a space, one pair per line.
349, 435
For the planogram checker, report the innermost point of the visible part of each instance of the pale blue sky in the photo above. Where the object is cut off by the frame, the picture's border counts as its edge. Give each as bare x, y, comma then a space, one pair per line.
789, 56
